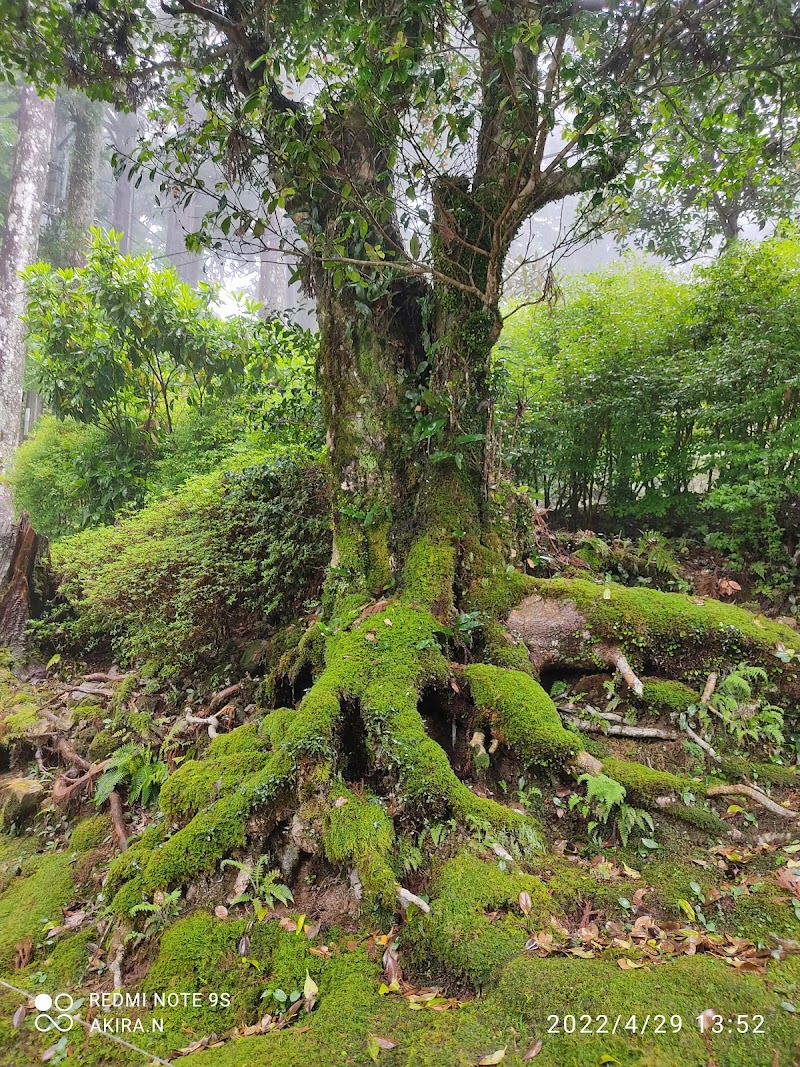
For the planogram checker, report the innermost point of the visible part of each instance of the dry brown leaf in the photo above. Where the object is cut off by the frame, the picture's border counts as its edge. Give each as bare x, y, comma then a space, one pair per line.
533, 1051
383, 1043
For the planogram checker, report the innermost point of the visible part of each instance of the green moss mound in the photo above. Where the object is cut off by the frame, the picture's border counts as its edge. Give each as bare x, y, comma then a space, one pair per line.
173, 583
676, 630
462, 938
522, 714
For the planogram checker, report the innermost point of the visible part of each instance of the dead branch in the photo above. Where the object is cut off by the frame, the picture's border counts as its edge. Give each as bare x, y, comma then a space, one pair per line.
587, 764
701, 741
118, 819
221, 697
211, 721
101, 676
406, 897
616, 729
755, 795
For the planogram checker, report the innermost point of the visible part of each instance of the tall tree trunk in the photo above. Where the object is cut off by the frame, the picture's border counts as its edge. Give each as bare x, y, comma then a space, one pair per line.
18, 252
181, 221
84, 163
126, 128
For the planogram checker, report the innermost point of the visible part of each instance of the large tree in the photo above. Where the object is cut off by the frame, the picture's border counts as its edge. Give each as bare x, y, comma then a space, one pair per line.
20, 241
409, 141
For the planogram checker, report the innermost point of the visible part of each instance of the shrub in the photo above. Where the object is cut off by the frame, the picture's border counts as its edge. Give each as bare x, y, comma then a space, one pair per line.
69, 475
228, 554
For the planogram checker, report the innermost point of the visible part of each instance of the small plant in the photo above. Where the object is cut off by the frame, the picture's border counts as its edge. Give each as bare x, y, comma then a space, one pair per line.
737, 705
159, 912
138, 768
604, 805
265, 888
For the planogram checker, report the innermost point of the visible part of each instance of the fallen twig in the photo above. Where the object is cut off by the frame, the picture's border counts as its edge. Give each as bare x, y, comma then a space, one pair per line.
755, 795
711, 685
701, 741
616, 729
615, 657
221, 697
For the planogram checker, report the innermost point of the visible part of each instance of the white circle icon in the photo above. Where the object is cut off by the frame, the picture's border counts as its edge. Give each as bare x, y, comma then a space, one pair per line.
43, 1002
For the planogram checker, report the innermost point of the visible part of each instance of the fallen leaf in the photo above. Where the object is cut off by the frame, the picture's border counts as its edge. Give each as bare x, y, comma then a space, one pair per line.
628, 965
383, 1043
19, 1016
525, 902
221, 911
492, 1058
533, 1051
340, 802
244, 945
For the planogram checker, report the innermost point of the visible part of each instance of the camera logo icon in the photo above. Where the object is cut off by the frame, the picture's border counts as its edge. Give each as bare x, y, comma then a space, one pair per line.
61, 1020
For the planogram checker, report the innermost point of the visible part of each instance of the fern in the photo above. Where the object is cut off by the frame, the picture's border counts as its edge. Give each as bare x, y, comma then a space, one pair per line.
136, 765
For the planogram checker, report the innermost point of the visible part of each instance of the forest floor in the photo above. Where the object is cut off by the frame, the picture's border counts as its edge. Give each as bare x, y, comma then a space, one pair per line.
658, 944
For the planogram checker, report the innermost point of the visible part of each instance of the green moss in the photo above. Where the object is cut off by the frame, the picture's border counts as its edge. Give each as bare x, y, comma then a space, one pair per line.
242, 739
671, 697
130, 894
132, 862
199, 846
360, 832
642, 783
37, 894
102, 745
679, 632
90, 833
764, 915
498, 591
196, 783
123, 691
69, 959
522, 714
458, 939
736, 768
19, 712
275, 725
503, 651
699, 817
429, 571
532, 989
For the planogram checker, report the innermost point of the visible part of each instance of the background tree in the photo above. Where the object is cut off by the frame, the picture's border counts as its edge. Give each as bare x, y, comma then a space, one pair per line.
712, 166
20, 239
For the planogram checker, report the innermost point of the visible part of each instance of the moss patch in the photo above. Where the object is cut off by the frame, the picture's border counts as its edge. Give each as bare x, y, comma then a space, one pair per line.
462, 938
39, 892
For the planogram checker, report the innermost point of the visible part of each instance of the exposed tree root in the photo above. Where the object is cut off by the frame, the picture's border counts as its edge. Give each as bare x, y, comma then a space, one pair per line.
118, 819
755, 795
65, 789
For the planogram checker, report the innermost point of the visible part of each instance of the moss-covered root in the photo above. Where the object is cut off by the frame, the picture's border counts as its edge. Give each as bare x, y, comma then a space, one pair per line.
522, 715
575, 621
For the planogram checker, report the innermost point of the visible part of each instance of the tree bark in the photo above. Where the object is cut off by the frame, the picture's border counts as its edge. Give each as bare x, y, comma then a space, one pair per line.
84, 163
18, 252
126, 128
